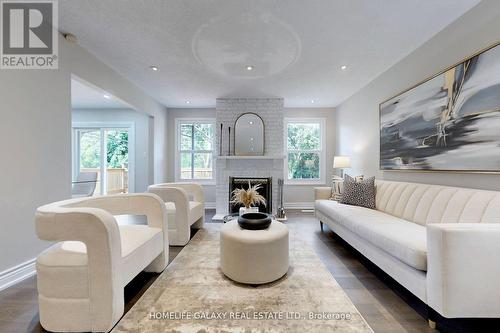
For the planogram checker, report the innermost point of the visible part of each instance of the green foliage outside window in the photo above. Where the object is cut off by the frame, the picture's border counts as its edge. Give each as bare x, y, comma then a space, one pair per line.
117, 149
90, 149
304, 146
196, 145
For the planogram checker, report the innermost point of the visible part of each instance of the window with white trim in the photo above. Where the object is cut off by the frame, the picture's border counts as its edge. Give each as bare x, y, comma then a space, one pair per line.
194, 145
305, 154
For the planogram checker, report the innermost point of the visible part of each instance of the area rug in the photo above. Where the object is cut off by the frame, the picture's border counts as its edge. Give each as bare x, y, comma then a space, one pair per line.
193, 295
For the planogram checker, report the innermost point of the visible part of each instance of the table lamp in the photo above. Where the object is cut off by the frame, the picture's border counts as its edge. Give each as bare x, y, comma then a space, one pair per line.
341, 162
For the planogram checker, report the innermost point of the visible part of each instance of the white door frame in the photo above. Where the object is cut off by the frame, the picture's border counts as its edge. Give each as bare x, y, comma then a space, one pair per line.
103, 126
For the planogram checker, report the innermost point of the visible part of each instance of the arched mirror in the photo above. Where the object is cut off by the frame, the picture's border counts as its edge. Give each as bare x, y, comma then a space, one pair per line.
249, 135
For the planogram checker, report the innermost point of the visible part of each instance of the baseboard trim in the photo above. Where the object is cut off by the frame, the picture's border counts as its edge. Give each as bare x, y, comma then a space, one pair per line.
299, 205
209, 205
17, 274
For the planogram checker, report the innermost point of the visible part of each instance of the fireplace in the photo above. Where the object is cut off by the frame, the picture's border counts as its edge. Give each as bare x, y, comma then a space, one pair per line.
265, 190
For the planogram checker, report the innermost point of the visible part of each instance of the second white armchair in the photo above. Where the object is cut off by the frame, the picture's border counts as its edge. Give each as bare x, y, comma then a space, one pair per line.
185, 205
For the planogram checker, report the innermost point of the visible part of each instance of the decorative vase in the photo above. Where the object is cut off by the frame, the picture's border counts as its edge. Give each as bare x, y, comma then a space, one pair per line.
244, 210
254, 221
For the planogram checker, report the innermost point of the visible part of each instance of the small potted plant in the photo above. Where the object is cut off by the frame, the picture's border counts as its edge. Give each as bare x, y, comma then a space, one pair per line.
248, 198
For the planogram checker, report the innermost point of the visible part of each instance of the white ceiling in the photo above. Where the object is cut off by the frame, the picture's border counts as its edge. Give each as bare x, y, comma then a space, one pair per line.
295, 46
85, 96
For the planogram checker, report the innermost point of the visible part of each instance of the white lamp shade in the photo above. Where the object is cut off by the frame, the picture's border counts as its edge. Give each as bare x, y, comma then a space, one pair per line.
341, 162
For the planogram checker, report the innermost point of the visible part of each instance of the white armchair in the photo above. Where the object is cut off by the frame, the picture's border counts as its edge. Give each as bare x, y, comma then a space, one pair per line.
185, 205
81, 278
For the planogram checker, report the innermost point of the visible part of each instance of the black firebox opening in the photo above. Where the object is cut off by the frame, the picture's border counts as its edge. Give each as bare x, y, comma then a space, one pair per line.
265, 191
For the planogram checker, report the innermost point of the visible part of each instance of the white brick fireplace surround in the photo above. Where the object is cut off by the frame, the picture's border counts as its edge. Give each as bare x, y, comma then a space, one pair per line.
268, 165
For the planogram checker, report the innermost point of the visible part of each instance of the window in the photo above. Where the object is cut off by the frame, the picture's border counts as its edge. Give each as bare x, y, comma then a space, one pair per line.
104, 148
304, 145
195, 141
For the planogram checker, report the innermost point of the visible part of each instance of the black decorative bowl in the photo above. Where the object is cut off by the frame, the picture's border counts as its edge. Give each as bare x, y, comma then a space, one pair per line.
254, 221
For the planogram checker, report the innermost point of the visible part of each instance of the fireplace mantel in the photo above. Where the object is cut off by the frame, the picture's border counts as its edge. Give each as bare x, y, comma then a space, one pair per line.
268, 165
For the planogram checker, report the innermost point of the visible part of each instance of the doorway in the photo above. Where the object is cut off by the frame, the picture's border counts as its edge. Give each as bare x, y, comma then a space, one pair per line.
108, 150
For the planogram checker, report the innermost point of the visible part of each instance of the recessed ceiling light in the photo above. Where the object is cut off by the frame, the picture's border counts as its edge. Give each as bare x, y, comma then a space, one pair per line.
249, 67
343, 67
188, 102
107, 96
154, 68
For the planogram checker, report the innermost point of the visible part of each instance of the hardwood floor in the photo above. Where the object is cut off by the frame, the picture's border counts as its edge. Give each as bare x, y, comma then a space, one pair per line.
380, 305
386, 306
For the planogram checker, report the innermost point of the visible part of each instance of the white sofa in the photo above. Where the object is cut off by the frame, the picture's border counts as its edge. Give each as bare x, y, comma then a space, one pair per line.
81, 278
441, 243
185, 204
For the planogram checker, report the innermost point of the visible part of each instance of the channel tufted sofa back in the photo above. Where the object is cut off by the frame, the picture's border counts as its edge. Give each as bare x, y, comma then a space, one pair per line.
424, 204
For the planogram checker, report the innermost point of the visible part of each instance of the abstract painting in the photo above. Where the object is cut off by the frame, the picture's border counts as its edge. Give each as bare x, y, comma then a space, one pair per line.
450, 122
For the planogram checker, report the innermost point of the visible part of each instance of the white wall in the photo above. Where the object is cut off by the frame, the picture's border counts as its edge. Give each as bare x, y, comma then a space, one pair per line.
295, 195
35, 141
143, 148
357, 118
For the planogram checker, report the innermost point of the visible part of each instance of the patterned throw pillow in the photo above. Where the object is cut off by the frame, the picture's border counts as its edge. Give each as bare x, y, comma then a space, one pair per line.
359, 193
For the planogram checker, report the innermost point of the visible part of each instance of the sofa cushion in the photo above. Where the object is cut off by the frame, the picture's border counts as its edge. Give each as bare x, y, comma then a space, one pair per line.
403, 240
425, 204
197, 210
359, 193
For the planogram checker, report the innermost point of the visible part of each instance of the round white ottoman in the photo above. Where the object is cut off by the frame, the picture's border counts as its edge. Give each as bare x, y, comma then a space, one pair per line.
254, 256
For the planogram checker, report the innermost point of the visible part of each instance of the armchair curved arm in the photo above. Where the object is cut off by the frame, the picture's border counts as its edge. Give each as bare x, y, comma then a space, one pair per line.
463, 270
193, 189
148, 204
180, 199
99, 231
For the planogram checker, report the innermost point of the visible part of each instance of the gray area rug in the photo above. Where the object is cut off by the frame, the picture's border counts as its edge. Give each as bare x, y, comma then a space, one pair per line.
193, 295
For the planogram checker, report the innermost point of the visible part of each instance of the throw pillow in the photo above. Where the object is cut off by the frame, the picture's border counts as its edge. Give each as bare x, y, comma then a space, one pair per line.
337, 185
360, 193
